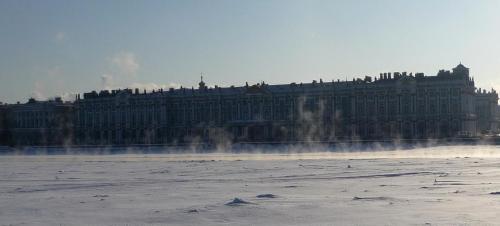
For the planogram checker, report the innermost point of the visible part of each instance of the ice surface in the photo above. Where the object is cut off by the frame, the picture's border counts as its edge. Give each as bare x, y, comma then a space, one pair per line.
440, 186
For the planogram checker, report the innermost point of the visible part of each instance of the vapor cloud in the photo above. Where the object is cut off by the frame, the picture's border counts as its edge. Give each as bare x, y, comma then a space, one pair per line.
39, 91
60, 36
68, 96
52, 85
107, 81
125, 63
122, 68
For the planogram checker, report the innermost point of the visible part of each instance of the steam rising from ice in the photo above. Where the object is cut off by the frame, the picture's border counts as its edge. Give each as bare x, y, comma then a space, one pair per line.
280, 153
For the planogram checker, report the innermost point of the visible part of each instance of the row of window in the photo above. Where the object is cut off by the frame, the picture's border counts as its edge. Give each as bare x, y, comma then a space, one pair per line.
261, 108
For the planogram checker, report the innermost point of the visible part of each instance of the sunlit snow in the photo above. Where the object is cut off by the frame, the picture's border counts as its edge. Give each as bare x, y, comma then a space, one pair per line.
439, 185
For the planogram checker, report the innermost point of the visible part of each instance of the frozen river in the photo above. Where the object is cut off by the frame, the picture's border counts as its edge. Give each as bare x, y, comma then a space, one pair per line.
437, 186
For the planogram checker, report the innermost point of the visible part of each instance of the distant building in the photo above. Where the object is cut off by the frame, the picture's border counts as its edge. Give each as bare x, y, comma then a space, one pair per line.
392, 106
486, 110
498, 117
5, 136
41, 122
121, 117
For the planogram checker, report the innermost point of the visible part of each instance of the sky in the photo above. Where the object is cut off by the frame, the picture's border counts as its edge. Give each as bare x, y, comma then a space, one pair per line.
59, 48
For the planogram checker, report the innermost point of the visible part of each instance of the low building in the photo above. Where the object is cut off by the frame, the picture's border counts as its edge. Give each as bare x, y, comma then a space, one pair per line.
486, 110
5, 135
41, 122
498, 117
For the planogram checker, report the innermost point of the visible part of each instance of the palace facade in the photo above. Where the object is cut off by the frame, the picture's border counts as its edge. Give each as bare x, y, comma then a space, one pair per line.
391, 106
388, 106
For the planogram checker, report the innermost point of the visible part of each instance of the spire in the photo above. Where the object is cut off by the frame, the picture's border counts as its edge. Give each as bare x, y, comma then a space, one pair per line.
201, 84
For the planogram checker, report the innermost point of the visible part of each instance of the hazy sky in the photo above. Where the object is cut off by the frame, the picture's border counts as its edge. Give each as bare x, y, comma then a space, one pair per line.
50, 48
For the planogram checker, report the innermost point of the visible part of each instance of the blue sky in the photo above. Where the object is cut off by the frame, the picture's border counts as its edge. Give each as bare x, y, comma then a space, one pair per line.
50, 48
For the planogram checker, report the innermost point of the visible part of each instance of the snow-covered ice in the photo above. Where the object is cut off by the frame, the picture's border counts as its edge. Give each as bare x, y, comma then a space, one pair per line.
446, 185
